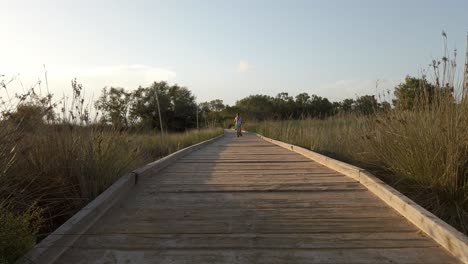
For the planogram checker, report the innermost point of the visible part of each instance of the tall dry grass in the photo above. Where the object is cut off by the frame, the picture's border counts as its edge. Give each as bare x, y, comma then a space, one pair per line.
50, 173
423, 153
52, 163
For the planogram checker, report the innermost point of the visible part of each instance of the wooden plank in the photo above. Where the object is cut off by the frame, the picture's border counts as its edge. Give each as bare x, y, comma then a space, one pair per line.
298, 167
352, 198
258, 241
243, 200
248, 256
450, 238
246, 172
266, 174
249, 179
255, 187
257, 213
182, 226
447, 236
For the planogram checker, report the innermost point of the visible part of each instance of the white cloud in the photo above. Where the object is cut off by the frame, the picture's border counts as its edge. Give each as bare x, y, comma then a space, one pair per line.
92, 78
128, 76
95, 78
243, 66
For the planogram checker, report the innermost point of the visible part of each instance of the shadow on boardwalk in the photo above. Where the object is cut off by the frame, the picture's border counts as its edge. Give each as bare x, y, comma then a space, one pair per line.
243, 200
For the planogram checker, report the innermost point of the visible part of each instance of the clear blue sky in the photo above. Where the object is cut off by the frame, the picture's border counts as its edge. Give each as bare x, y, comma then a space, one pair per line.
228, 49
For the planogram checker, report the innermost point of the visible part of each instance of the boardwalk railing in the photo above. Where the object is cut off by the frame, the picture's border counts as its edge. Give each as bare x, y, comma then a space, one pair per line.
53, 246
444, 234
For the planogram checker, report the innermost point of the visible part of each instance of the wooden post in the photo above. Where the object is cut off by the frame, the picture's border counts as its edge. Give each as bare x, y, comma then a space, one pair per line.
197, 118
465, 73
159, 111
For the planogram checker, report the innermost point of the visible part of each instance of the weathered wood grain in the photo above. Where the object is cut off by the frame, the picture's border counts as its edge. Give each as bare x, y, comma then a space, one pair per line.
244, 200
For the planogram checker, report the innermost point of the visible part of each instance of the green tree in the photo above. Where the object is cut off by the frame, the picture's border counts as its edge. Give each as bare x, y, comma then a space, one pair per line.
258, 107
366, 104
347, 105
216, 105
177, 106
385, 106
302, 102
320, 107
213, 113
144, 107
284, 106
27, 116
414, 91
183, 106
114, 105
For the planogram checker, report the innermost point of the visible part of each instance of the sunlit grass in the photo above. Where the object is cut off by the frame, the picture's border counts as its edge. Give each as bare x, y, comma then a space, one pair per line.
51, 172
423, 153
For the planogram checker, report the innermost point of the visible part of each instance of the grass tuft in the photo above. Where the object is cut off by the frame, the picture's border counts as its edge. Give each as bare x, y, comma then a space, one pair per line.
60, 168
423, 153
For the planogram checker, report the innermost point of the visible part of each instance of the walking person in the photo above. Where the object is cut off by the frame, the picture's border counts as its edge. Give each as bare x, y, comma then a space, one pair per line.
238, 124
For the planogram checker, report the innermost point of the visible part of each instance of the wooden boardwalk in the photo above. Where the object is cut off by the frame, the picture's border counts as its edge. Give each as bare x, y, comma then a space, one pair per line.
243, 200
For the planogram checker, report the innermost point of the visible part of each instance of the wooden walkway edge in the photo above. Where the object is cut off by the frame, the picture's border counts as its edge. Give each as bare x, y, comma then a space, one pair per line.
245, 200
448, 237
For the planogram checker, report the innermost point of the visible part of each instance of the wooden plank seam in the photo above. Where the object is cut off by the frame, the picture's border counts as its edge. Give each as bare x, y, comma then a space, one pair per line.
56, 243
445, 235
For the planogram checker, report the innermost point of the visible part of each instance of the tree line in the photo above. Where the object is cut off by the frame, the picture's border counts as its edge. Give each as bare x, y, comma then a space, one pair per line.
173, 108
179, 110
171, 105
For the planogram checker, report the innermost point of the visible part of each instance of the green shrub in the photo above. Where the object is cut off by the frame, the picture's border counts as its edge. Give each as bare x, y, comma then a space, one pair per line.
17, 233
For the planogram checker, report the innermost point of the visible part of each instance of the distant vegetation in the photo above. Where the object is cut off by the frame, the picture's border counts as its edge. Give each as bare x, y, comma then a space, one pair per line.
139, 109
